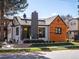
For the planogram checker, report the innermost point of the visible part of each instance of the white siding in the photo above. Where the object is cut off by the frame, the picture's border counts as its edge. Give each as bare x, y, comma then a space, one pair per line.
73, 25
47, 33
12, 32
71, 35
17, 37
9, 32
41, 23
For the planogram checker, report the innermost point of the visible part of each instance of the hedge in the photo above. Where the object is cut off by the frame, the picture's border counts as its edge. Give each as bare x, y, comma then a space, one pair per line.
34, 41
72, 47
49, 44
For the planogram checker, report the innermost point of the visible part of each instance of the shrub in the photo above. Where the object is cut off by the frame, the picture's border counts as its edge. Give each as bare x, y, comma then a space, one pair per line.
34, 41
49, 44
73, 47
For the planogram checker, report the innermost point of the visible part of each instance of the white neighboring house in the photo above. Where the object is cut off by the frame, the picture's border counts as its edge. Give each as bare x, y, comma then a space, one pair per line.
18, 33
73, 27
73, 24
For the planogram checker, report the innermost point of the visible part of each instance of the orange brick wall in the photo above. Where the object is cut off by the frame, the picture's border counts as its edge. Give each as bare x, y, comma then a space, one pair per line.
58, 37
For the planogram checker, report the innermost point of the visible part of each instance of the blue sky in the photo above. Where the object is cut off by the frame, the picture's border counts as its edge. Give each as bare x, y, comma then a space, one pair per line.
47, 8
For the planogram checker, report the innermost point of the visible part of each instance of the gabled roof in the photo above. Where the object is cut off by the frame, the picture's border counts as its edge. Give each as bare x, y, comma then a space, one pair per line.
28, 21
63, 21
43, 22
23, 22
49, 20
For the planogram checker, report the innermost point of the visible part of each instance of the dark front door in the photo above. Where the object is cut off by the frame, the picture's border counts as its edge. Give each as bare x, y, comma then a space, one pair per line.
26, 32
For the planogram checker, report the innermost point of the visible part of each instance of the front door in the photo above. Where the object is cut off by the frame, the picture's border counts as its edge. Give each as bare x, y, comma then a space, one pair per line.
26, 32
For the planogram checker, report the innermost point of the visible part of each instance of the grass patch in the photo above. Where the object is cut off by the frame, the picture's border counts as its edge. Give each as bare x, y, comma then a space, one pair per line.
55, 48
13, 50
34, 49
42, 47
18, 50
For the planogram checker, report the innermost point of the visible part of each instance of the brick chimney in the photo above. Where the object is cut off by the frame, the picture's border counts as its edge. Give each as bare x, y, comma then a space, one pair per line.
34, 25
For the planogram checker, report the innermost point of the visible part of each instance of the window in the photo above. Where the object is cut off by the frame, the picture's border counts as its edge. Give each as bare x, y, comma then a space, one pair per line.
58, 30
41, 32
73, 23
25, 29
17, 31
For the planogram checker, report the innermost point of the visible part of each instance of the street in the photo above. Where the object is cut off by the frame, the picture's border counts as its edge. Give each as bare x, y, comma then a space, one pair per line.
63, 54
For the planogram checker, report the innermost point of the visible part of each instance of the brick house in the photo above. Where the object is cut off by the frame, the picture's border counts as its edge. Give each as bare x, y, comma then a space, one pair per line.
58, 30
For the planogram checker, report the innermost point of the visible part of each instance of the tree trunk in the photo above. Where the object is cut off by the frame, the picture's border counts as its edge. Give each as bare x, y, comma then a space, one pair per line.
2, 22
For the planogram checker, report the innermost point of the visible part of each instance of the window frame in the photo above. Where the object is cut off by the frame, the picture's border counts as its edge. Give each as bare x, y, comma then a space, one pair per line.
42, 34
17, 30
58, 30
